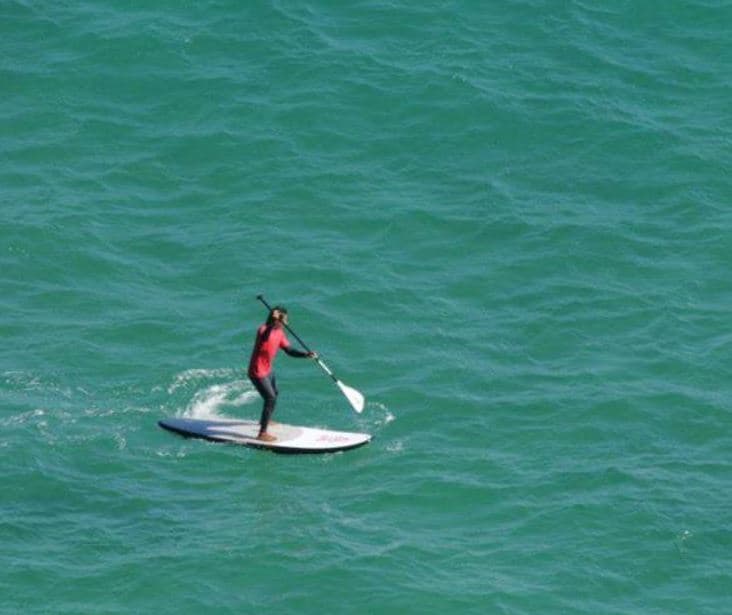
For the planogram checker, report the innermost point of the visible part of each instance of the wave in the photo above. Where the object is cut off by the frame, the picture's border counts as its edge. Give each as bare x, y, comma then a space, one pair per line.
211, 400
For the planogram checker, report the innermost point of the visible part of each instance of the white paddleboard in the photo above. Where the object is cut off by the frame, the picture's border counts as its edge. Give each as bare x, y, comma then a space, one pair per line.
290, 438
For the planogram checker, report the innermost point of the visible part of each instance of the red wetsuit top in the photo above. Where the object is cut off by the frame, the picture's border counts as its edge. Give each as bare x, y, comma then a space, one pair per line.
263, 354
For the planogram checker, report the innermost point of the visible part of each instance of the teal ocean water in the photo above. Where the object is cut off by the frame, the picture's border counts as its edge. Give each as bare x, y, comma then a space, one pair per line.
508, 224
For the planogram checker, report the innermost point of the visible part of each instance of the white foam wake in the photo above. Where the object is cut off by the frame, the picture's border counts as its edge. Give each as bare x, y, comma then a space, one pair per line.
212, 390
209, 402
192, 376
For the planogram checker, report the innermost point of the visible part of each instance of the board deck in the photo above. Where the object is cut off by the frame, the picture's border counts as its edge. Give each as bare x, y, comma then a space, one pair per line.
290, 438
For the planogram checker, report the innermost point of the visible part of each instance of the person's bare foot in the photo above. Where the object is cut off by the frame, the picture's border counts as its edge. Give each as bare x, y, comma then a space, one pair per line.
266, 437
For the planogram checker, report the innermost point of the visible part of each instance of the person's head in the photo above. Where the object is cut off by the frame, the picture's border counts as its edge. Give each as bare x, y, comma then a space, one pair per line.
277, 316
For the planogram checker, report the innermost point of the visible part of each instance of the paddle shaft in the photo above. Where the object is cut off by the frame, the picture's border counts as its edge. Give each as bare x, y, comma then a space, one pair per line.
354, 397
299, 339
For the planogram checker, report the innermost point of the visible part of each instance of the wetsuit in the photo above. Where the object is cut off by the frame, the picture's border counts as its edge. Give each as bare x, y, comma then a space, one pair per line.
269, 341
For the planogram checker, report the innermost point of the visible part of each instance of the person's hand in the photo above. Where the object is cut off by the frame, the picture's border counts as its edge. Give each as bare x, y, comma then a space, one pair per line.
312, 355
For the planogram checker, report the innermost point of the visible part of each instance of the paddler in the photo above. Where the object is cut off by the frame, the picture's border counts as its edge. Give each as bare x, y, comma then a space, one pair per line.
270, 338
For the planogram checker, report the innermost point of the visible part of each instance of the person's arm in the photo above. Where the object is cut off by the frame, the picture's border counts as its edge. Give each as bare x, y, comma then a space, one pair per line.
293, 352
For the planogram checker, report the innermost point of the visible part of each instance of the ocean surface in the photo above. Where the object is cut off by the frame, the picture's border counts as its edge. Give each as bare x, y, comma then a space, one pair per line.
508, 224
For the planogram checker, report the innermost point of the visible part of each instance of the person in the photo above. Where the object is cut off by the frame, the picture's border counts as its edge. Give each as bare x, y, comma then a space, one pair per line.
270, 339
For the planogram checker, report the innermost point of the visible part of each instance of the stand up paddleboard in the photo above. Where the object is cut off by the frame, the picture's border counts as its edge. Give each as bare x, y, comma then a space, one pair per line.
290, 439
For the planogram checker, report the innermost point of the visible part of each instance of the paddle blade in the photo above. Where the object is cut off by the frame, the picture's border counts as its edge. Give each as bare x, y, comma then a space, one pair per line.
354, 397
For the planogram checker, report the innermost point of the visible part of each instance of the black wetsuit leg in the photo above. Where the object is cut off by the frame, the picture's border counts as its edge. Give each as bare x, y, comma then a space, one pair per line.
267, 388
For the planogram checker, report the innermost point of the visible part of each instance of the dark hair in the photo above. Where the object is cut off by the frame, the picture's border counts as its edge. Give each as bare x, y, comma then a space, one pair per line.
271, 320
277, 308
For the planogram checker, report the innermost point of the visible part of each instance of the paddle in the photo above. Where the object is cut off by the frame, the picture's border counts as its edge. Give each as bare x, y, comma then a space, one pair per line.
354, 397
